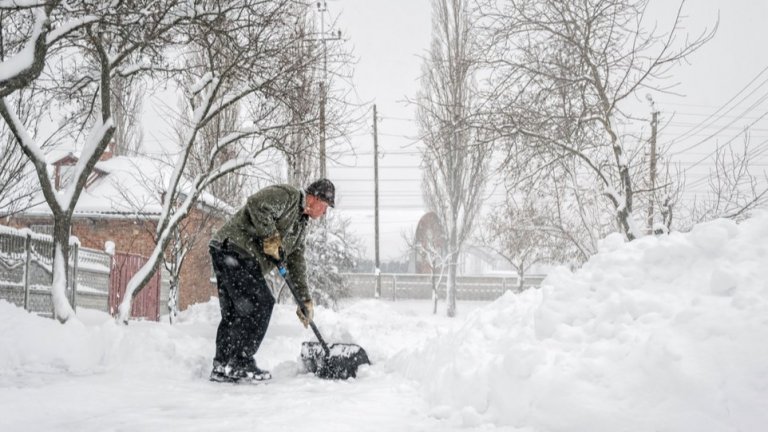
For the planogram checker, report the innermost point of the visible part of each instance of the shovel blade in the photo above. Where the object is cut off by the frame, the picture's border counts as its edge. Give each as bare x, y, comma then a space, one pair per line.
341, 363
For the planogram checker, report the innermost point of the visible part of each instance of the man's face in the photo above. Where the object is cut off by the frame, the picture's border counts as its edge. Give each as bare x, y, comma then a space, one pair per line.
316, 207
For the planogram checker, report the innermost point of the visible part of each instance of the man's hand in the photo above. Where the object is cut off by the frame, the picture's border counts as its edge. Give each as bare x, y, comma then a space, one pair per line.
310, 308
272, 246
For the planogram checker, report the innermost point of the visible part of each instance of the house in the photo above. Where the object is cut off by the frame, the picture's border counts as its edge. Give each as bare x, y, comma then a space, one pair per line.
119, 209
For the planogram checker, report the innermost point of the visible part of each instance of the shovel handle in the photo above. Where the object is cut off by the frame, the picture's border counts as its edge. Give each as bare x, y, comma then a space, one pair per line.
284, 273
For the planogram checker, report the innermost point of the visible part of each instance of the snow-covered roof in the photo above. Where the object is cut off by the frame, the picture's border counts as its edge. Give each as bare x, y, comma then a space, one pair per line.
56, 155
128, 186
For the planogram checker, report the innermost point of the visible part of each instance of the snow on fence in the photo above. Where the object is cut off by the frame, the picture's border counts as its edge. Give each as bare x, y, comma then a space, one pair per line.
26, 273
419, 286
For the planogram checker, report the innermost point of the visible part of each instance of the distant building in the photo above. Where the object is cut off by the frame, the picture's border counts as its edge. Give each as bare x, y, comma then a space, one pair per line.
474, 260
429, 244
119, 209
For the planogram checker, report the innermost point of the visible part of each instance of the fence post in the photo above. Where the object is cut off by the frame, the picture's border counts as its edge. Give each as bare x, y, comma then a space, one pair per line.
27, 260
394, 287
74, 277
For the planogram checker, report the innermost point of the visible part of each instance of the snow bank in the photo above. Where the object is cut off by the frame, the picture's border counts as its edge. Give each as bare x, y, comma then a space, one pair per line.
94, 344
663, 333
45, 345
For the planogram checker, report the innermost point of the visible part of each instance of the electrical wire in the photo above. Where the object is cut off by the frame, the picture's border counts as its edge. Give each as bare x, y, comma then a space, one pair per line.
753, 106
727, 103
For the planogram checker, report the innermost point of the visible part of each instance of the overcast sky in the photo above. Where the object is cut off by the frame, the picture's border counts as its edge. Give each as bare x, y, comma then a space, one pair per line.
389, 38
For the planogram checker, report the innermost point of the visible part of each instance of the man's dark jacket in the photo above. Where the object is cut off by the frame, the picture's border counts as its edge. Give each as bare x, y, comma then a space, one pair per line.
275, 208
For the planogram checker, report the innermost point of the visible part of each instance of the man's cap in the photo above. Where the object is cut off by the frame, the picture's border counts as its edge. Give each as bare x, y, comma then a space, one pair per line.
324, 190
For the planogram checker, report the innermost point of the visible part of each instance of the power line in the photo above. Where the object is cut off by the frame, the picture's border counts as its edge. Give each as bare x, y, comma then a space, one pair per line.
719, 147
764, 97
397, 118
728, 102
411, 137
692, 123
370, 179
760, 152
713, 126
398, 166
391, 152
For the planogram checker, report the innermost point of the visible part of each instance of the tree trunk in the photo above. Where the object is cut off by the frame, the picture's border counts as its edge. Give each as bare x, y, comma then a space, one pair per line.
62, 310
626, 213
451, 287
173, 302
434, 292
452, 264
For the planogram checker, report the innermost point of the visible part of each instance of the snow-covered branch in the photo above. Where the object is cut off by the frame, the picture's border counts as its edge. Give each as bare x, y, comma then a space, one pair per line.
26, 65
88, 157
68, 27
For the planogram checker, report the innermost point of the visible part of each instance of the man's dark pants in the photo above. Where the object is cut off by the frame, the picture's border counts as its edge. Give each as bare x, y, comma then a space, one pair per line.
246, 306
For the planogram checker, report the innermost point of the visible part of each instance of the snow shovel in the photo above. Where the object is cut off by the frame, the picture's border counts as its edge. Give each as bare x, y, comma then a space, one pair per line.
337, 361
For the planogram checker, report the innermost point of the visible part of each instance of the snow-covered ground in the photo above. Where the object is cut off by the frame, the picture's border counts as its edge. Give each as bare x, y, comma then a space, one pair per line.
661, 334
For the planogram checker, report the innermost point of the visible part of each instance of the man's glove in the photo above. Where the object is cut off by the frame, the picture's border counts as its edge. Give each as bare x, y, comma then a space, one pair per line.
310, 307
272, 247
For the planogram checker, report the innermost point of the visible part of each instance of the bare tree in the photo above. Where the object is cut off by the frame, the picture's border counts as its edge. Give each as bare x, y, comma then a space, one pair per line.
123, 38
18, 186
229, 188
734, 191
241, 44
521, 232
301, 148
662, 195
187, 234
455, 158
316, 98
429, 245
151, 175
565, 198
127, 94
568, 206
560, 74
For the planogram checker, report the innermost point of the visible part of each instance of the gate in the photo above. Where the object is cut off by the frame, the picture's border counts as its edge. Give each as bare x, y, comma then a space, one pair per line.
147, 303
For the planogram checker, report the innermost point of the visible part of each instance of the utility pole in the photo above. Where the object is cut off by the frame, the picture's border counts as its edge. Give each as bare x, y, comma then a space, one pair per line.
322, 8
654, 124
377, 270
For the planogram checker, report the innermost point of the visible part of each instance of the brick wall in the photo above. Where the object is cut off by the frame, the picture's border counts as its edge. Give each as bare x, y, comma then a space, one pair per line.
196, 285
129, 236
136, 237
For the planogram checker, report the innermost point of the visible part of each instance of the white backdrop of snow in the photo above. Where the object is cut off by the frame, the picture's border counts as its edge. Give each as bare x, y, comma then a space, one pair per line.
663, 333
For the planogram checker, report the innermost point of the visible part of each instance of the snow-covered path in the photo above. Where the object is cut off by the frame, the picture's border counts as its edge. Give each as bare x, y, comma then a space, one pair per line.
117, 402
99, 376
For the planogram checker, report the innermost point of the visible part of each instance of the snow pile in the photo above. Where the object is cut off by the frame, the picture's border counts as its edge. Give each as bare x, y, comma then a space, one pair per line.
663, 333
92, 345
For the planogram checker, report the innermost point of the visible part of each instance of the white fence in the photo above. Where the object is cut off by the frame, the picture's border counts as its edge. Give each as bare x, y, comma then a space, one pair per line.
26, 274
419, 286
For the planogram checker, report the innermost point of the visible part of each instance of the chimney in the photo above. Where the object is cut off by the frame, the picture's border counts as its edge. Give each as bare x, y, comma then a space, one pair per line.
109, 152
